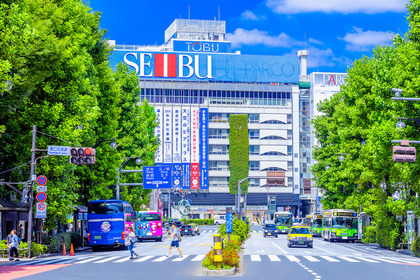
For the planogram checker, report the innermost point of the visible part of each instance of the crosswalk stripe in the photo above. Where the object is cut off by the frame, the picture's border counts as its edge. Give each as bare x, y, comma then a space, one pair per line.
198, 258
89, 260
311, 259
181, 259
255, 258
292, 258
329, 259
122, 260
143, 259
107, 259
366, 259
348, 259
388, 261
204, 231
274, 258
400, 260
160, 259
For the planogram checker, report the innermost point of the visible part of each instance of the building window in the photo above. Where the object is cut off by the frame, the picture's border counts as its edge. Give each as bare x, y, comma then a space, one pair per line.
253, 118
219, 117
290, 166
254, 182
254, 134
273, 169
289, 150
254, 165
289, 119
218, 149
272, 154
219, 165
219, 181
272, 137
273, 122
218, 133
254, 150
289, 135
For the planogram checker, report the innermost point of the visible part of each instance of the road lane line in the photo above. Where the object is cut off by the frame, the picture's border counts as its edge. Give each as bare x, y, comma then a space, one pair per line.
161, 259
348, 259
143, 259
367, 260
122, 260
181, 259
255, 258
329, 259
107, 259
198, 258
274, 258
311, 259
399, 260
89, 260
385, 260
325, 250
292, 258
284, 252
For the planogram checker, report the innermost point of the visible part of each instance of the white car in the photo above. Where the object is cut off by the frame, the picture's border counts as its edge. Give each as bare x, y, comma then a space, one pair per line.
219, 219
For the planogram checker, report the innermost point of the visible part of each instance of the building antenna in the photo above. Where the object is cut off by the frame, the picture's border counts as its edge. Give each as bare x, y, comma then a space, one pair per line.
189, 13
305, 41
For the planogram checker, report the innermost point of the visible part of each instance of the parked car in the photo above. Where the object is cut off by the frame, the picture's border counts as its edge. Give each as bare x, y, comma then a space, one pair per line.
187, 230
169, 222
300, 235
219, 219
270, 230
196, 229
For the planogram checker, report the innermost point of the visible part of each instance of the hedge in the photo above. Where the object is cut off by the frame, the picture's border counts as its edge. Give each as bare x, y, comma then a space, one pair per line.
200, 221
369, 234
238, 152
415, 247
36, 249
55, 242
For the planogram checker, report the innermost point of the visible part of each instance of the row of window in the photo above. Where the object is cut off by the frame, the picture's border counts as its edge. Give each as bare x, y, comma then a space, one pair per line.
253, 150
222, 165
252, 118
220, 133
224, 182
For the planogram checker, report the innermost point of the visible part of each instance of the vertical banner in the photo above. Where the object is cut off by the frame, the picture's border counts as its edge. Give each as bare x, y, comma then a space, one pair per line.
176, 167
158, 134
195, 154
167, 136
186, 153
204, 156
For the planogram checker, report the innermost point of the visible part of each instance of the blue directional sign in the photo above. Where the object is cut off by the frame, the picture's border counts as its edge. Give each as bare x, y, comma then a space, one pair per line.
157, 177
229, 223
58, 150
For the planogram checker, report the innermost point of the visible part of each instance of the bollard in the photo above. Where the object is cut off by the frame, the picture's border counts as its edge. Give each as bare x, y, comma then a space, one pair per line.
218, 255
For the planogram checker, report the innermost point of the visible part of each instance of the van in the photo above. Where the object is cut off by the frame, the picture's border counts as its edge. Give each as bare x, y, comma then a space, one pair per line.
219, 219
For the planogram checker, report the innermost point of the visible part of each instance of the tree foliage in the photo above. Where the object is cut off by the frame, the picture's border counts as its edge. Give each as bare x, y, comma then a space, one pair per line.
359, 122
56, 57
238, 152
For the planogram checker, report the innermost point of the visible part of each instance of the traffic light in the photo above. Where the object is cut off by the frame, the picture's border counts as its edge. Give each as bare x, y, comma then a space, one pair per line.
404, 154
82, 155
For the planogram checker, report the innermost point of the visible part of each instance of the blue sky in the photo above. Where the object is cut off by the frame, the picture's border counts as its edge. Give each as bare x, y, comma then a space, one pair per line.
337, 31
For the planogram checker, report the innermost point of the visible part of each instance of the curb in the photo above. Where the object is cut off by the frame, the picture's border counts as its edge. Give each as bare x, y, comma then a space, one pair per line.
225, 272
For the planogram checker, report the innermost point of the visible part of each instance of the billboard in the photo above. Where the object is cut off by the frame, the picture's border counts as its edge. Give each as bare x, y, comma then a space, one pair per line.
158, 134
204, 141
176, 156
198, 66
186, 153
201, 46
195, 154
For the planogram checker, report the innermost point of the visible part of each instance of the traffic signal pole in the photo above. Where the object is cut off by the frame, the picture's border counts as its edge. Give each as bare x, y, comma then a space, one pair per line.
31, 196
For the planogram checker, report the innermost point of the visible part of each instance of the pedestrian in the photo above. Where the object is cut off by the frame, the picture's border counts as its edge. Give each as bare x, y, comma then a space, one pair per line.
175, 240
20, 231
13, 245
133, 240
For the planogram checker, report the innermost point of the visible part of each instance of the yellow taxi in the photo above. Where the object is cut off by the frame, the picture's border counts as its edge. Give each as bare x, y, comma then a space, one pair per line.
300, 235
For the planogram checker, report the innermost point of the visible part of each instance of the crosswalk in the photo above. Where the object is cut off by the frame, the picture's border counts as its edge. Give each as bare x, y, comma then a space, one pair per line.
107, 259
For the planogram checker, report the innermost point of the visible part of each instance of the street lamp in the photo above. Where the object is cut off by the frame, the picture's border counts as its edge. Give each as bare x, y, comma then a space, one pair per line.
400, 124
341, 158
397, 91
327, 167
139, 161
113, 144
119, 170
363, 142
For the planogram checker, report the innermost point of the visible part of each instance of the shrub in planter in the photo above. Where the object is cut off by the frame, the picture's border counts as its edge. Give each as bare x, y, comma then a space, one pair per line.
369, 234
415, 247
230, 256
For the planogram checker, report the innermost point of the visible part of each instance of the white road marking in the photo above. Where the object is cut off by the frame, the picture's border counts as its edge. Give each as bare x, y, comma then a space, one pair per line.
89, 260
329, 259
279, 248
198, 258
292, 258
160, 259
255, 258
367, 260
181, 259
325, 250
274, 258
348, 259
311, 259
107, 260
122, 260
143, 259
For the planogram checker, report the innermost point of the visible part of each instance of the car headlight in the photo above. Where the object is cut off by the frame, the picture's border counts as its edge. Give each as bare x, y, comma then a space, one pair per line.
265, 230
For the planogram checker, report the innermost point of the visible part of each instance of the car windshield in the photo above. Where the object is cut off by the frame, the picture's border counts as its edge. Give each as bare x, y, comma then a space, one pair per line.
149, 217
105, 208
318, 223
283, 221
270, 226
300, 231
344, 222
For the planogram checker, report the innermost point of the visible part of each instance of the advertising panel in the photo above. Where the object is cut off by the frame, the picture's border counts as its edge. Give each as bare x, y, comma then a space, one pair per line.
195, 154
204, 141
186, 153
167, 137
201, 46
158, 133
177, 167
192, 66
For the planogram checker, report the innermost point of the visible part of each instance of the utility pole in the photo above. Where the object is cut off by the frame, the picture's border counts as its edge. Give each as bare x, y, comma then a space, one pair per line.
31, 196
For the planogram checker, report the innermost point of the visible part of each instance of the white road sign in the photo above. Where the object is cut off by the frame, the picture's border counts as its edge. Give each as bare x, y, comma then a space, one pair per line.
58, 150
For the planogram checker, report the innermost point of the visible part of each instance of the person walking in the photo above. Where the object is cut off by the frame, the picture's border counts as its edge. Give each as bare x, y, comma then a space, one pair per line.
13, 245
133, 240
175, 240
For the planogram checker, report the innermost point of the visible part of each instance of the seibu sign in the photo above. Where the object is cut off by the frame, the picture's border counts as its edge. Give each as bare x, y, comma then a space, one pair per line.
167, 65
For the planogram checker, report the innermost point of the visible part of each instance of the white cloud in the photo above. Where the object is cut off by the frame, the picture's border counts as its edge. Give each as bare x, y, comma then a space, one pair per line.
249, 15
256, 37
365, 40
337, 6
315, 41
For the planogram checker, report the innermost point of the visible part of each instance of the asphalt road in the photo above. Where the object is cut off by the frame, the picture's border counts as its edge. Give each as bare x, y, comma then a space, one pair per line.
264, 258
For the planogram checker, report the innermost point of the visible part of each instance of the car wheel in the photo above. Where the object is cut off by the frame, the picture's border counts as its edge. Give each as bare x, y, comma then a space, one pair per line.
277, 235
288, 245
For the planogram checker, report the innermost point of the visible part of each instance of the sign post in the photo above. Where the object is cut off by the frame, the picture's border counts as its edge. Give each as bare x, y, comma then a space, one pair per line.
229, 221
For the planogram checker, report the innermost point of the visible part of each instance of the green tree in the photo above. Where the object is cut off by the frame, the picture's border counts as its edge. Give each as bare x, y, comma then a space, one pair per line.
238, 152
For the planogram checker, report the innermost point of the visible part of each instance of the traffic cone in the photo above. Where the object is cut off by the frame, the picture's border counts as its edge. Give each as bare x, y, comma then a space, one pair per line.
71, 250
64, 250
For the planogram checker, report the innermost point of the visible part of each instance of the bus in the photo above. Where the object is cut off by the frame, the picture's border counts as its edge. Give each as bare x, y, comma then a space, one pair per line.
108, 223
149, 225
283, 221
314, 222
339, 224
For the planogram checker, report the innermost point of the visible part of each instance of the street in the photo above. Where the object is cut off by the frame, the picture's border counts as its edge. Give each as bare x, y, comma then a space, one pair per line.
264, 258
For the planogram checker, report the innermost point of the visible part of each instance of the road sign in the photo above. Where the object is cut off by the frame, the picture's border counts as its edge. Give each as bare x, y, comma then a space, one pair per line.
41, 196
157, 177
287, 208
229, 220
211, 211
33, 178
41, 210
58, 150
41, 180
41, 188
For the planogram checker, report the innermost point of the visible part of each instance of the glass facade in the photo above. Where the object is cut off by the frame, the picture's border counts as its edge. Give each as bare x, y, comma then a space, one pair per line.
305, 142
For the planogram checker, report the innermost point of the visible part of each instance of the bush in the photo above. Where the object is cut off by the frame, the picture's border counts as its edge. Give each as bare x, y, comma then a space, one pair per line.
240, 228
230, 258
415, 247
55, 242
369, 234
200, 222
36, 249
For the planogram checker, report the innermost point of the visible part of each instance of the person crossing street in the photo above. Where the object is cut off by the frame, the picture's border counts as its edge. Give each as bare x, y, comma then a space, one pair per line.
174, 236
133, 240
